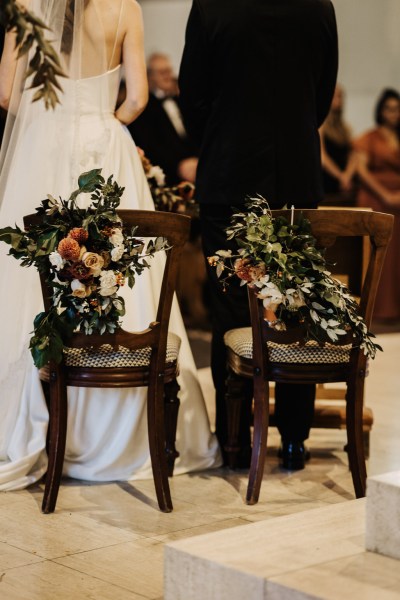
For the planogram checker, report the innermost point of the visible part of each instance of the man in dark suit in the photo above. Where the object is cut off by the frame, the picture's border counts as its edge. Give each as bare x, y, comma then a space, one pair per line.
257, 79
160, 130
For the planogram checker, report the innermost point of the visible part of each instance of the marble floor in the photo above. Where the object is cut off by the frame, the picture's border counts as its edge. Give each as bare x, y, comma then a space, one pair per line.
105, 542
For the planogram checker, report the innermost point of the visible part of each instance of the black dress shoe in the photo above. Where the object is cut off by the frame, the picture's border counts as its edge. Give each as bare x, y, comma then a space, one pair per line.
293, 456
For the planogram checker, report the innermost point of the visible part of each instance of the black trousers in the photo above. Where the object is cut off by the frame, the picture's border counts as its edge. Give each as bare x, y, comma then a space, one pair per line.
294, 404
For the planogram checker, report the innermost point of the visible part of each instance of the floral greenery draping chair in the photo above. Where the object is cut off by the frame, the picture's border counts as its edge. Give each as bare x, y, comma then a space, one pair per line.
84, 256
305, 325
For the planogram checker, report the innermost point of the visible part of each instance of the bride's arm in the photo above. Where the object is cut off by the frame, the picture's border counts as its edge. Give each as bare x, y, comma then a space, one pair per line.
8, 65
134, 62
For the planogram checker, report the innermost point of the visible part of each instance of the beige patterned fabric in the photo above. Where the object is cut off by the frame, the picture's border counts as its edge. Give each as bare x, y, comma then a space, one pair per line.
241, 343
105, 356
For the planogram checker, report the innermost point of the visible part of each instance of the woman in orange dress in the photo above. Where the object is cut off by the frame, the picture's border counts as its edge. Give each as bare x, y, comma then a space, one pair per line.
379, 171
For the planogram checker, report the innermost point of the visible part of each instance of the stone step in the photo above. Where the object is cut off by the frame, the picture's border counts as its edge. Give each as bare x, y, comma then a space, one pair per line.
314, 554
383, 515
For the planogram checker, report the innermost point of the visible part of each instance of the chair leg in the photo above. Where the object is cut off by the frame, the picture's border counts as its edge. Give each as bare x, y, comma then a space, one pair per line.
156, 432
355, 436
56, 440
260, 434
235, 393
366, 443
171, 410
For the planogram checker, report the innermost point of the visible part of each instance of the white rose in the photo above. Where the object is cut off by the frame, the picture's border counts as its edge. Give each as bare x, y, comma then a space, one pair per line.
78, 288
117, 252
107, 291
271, 296
117, 237
108, 283
56, 260
158, 174
107, 279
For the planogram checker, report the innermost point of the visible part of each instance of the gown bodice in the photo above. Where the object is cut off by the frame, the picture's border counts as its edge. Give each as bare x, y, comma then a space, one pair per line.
92, 95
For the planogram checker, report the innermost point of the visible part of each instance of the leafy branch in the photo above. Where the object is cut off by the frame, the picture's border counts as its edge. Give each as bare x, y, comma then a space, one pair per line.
44, 66
291, 276
86, 256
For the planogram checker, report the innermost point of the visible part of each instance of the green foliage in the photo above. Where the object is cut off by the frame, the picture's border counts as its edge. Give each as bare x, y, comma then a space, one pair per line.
44, 66
291, 275
85, 255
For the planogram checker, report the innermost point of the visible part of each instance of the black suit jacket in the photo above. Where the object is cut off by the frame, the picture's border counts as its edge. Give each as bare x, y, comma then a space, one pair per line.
256, 81
156, 135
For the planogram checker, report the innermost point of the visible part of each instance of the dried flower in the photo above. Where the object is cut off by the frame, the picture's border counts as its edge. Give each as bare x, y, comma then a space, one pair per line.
79, 234
80, 271
69, 249
242, 268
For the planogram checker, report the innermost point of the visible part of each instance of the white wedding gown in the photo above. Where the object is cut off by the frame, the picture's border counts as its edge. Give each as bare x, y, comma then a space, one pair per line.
107, 429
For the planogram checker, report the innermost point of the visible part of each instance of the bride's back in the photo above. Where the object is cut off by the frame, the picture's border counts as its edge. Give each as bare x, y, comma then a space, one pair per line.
93, 36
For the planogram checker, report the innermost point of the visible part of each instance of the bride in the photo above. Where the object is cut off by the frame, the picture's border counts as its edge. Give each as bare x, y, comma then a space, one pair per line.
44, 152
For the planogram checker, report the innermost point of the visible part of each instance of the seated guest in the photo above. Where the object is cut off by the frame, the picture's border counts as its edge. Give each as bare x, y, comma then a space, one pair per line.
337, 156
379, 171
160, 130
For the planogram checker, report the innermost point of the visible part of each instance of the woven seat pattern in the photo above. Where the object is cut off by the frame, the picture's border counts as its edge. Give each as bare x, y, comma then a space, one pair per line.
106, 356
240, 341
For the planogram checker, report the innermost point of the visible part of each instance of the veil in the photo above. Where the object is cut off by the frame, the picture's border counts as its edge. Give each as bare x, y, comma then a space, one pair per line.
86, 35
45, 150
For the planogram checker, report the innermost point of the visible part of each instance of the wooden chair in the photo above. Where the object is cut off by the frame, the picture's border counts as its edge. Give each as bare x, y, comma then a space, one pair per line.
120, 360
265, 355
348, 259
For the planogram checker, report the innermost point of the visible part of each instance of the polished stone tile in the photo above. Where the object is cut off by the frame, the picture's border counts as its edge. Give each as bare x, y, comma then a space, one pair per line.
11, 557
135, 566
50, 536
202, 529
119, 518
49, 581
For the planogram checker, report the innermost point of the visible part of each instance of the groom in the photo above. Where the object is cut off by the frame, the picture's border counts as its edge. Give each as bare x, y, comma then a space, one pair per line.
257, 79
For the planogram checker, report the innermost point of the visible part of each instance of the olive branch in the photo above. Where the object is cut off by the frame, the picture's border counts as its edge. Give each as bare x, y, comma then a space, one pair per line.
44, 66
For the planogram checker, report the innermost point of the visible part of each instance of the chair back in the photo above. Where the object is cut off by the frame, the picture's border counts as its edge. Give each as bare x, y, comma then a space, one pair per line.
327, 226
150, 224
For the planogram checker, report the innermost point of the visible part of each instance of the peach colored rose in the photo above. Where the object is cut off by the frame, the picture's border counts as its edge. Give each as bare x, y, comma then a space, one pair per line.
78, 288
94, 262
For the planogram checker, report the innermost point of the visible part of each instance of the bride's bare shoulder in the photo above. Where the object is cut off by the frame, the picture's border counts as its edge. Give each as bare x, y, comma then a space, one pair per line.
133, 6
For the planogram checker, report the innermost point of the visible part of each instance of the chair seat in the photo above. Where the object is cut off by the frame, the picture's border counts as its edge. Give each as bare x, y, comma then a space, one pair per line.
240, 341
106, 356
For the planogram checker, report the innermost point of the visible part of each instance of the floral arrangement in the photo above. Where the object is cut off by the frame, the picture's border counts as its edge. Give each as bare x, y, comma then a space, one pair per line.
86, 256
290, 274
169, 199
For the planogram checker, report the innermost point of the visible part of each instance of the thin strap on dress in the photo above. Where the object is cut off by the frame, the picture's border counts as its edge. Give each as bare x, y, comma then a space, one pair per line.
116, 35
